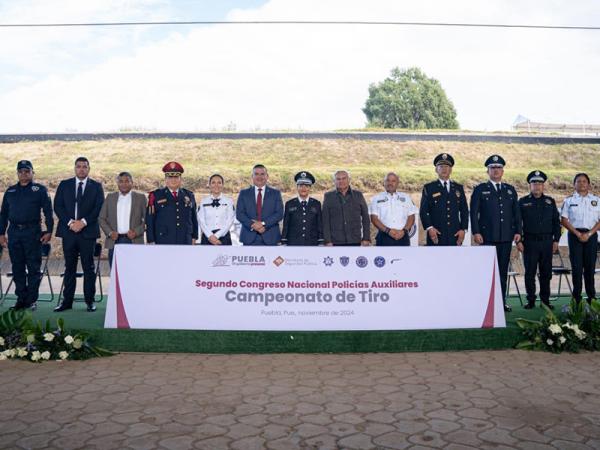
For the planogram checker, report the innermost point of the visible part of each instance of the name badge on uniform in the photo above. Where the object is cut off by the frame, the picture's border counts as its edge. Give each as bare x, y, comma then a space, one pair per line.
162, 200
527, 204
437, 194
12, 190
382, 200
572, 205
486, 192
594, 203
402, 199
293, 208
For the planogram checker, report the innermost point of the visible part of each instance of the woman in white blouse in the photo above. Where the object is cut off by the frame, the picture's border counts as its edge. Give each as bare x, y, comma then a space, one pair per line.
215, 214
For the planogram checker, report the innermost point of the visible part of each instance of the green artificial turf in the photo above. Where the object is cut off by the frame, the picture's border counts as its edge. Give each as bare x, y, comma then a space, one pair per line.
193, 341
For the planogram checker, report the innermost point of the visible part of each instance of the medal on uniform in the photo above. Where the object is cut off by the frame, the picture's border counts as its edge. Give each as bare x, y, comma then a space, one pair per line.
594, 203
457, 194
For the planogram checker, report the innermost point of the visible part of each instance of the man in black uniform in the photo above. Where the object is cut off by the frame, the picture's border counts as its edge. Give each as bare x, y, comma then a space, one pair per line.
495, 217
171, 214
541, 233
444, 212
21, 215
302, 222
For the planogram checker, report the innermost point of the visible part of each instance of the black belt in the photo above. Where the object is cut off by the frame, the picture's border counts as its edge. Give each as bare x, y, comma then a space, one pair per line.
539, 237
122, 236
583, 230
22, 226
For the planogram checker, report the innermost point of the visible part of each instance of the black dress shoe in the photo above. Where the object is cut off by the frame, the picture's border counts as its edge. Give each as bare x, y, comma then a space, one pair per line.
91, 307
507, 308
62, 307
18, 307
529, 306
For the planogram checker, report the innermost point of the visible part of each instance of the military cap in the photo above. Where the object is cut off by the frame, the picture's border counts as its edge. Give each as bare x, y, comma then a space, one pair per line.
24, 164
304, 178
537, 176
172, 169
495, 161
444, 158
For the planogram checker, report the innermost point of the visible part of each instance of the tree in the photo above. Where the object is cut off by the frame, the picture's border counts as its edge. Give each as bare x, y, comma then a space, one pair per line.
409, 99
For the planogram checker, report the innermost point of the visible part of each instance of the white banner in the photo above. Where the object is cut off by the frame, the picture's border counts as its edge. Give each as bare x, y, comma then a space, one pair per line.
304, 288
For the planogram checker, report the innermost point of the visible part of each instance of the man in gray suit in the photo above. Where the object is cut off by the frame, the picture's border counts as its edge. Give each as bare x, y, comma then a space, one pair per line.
345, 214
122, 215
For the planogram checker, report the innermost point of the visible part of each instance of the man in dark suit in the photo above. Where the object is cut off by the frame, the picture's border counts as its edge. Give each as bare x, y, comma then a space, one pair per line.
444, 212
259, 210
496, 217
171, 214
77, 204
302, 221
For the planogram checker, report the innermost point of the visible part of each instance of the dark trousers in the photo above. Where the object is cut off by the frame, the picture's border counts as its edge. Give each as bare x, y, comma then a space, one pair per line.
583, 261
120, 240
225, 240
384, 240
76, 246
25, 251
503, 250
537, 254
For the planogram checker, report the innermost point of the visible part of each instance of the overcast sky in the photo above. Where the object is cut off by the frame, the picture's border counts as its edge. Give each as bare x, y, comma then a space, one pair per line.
200, 78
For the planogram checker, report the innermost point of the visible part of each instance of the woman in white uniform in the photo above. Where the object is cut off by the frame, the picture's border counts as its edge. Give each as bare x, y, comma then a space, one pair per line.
215, 214
581, 216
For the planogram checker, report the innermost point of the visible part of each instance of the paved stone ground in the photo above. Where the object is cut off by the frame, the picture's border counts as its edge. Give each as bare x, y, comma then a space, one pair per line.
484, 400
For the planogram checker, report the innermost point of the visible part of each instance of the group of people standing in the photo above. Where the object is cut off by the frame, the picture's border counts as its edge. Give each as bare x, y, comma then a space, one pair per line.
171, 216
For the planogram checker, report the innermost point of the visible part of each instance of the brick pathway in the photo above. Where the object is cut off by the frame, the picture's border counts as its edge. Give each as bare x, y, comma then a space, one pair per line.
495, 400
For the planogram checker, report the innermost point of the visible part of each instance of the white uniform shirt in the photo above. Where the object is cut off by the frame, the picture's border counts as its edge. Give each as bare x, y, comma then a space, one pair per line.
582, 212
123, 213
392, 209
215, 217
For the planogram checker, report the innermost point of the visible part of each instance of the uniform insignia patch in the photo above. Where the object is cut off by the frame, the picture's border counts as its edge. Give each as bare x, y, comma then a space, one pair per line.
457, 194
35, 188
509, 192
548, 201
594, 203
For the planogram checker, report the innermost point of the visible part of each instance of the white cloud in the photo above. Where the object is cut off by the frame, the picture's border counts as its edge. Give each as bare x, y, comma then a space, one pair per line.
316, 77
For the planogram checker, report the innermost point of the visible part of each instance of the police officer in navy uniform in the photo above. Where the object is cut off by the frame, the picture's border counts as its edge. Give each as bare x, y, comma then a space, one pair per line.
443, 211
496, 218
302, 220
20, 213
580, 215
171, 214
541, 233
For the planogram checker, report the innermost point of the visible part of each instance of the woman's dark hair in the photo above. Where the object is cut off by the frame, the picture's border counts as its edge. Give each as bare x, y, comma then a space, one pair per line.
216, 175
582, 174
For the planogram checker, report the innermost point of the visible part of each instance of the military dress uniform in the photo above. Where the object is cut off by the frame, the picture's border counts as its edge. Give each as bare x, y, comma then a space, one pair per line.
583, 212
496, 216
302, 218
171, 216
541, 227
20, 213
444, 206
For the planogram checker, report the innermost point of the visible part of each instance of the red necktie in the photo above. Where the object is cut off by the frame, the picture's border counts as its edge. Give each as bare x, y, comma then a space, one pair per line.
259, 205
175, 195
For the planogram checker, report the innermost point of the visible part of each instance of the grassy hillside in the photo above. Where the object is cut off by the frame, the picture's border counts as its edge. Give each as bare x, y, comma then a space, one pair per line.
368, 161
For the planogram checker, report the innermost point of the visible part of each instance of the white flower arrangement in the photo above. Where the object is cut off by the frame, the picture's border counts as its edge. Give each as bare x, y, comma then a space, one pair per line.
69, 339
45, 355
555, 329
48, 337
36, 356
